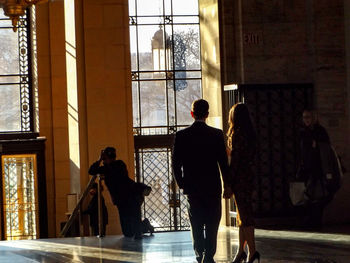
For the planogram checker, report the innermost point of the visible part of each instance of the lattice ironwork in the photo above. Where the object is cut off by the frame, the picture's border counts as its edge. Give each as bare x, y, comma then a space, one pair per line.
165, 207
276, 112
23, 37
12, 78
19, 196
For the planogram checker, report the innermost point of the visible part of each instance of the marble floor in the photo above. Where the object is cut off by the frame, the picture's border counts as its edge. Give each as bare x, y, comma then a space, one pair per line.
275, 246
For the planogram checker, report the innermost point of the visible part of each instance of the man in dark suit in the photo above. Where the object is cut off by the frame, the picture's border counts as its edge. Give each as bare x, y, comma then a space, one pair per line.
198, 152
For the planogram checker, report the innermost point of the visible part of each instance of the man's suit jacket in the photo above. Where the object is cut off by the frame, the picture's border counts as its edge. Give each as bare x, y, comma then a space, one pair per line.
198, 152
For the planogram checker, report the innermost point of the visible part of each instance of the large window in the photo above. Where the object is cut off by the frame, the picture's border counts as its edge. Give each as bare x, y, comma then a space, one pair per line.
15, 76
165, 63
166, 78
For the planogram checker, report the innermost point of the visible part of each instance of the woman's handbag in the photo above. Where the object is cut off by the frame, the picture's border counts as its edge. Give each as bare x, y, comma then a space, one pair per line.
297, 193
316, 190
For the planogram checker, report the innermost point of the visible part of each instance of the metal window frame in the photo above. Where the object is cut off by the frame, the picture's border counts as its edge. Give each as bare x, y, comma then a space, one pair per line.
25, 74
170, 74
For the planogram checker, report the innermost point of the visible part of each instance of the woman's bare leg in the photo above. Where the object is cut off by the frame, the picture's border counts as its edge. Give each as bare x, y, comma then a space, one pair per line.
241, 242
250, 238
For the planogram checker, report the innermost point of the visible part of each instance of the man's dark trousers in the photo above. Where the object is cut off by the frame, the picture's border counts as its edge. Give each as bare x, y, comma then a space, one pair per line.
205, 214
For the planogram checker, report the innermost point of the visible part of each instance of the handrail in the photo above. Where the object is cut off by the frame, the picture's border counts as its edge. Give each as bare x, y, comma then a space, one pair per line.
76, 209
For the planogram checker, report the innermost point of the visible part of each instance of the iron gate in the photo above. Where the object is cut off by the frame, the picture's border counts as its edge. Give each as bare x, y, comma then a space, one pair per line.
165, 207
276, 112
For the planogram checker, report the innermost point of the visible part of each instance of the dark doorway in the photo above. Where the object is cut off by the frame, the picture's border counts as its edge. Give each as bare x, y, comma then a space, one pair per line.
276, 111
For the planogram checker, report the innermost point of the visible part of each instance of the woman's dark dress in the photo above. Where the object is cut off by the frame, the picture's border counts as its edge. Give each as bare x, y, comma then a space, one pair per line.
242, 176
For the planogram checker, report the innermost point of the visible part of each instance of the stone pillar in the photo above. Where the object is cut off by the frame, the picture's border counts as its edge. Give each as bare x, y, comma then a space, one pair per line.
211, 71
107, 81
84, 84
210, 54
52, 94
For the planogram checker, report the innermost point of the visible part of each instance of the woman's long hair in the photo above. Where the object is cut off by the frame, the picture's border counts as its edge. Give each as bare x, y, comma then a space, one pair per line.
239, 119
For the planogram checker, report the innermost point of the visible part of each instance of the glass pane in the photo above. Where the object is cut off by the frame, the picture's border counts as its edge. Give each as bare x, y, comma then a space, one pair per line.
135, 104
9, 79
5, 23
188, 74
133, 48
171, 103
169, 58
186, 47
9, 57
149, 7
20, 200
132, 8
145, 36
184, 99
152, 75
167, 7
2, 15
186, 19
155, 20
153, 103
10, 110
185, 7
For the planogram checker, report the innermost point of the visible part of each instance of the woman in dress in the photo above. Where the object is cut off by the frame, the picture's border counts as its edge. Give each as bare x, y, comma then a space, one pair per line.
242, 144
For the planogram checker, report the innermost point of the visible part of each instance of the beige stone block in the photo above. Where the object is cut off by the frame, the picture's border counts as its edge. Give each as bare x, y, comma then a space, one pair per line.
285, 39
328, 9
116, 36
57, 10
60, 118
97, 133
114, 56
44, 89
57, 40
111, 79
114, 16
125, 2
59, 92
43, 41
62, 171
58, 65
45, 117
42, 29
60, 144
93, 14
62, 189
296, 10
57, 44
42, 14
43, 66
95, 37
51, 217
96, 95
94, 58
61, 209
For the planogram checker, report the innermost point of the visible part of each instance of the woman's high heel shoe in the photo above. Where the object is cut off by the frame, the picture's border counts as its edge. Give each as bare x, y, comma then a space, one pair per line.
255, 256
239, 258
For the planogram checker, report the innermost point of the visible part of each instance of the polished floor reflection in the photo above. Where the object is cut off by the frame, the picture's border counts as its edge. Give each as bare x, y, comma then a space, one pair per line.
274, 246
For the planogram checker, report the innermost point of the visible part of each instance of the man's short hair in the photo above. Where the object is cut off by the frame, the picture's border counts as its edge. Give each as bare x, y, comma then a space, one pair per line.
110, 152
200, 108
